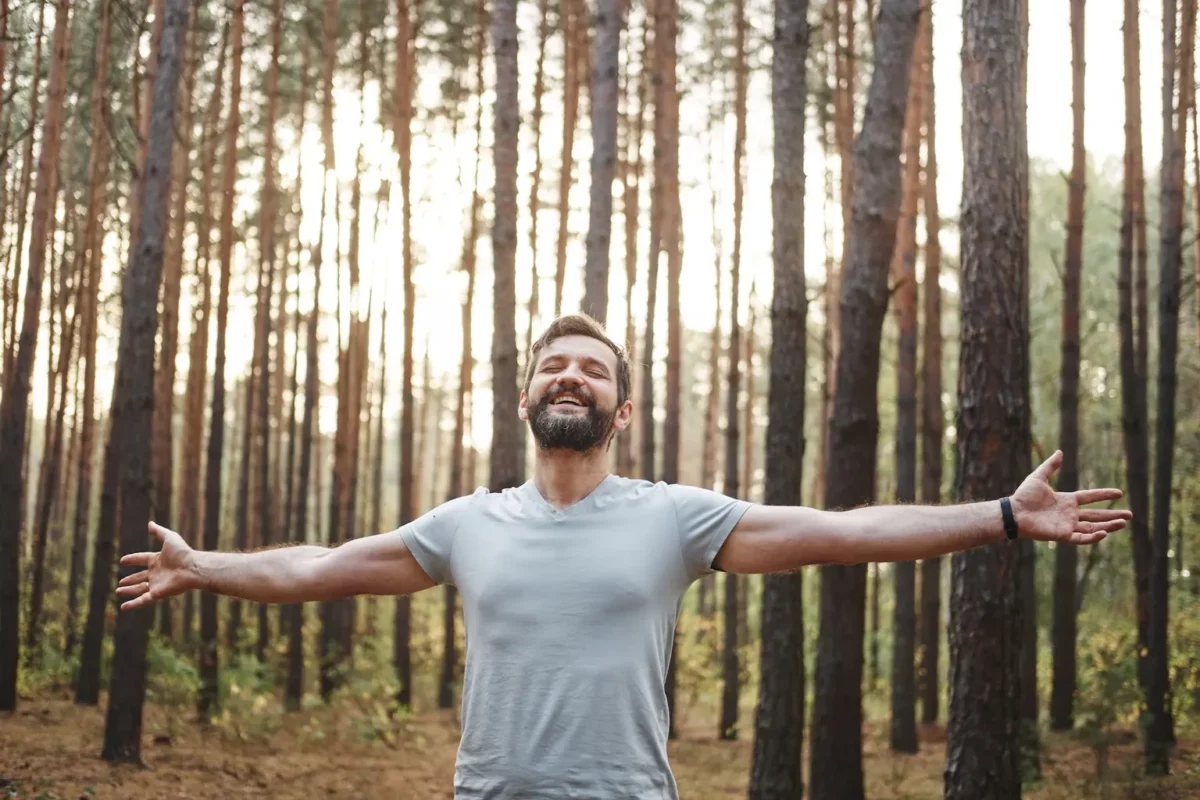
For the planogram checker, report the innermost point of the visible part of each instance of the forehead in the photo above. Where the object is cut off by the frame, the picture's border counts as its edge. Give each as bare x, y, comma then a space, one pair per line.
584, 348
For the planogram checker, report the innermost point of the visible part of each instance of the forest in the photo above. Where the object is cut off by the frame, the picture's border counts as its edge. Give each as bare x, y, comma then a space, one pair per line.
271, 272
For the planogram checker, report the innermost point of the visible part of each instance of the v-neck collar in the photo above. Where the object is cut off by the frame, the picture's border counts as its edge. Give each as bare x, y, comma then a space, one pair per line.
535, 496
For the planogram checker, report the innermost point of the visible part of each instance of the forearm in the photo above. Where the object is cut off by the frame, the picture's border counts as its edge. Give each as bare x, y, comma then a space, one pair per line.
279, 575
914, 532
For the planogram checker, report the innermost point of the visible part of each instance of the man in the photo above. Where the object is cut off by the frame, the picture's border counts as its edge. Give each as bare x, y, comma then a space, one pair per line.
572, 583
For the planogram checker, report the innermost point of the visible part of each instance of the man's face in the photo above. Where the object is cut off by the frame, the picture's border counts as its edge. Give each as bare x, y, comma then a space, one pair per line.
571, 403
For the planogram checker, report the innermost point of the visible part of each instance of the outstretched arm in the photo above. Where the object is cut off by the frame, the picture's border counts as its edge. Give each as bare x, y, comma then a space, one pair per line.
782, 538
289, 574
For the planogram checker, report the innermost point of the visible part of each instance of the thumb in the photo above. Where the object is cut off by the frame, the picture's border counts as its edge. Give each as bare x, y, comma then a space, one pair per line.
1048, 468
158, 531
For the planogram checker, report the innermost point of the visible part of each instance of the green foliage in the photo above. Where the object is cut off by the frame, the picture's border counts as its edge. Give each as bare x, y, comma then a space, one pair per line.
249, 712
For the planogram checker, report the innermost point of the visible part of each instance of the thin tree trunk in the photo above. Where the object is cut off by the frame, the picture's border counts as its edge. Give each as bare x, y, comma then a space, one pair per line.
10, 342
775, 771
932, 422
133, 398
983, 758
208, 698
164, 385
609, 23
657, 200
731, 664
708, 466
836, 748
1066, 559
570, 15
535, 198
904, 276
1160, 733
14, 406
190, 512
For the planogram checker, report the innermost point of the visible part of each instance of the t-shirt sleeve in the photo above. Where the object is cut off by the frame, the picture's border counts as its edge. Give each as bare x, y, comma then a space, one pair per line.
705, 519
430, 537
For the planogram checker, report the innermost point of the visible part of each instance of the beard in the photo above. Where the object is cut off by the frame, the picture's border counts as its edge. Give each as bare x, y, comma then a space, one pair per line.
577, 432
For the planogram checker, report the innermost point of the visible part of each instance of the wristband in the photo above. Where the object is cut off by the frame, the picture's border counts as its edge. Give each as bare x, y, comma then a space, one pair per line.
1010, 522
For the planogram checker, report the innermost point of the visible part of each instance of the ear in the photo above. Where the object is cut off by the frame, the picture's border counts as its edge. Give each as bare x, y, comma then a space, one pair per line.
624, 416
523, 407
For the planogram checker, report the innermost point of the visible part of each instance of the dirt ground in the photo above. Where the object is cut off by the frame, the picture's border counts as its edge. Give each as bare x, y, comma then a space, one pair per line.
50, 749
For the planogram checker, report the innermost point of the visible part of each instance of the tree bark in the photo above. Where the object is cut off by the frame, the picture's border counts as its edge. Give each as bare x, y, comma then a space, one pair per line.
731, 664
609, 23
14, 406
1066, 559
570, 14
708, 466
904, 277
983, 755
535, 197
775, 771
836, 748
932, 422
658, 193
133, 398
1160, 733
208, 698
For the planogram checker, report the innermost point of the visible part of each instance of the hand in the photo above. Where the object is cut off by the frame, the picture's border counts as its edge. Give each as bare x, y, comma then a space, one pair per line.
1049, 516
170, 571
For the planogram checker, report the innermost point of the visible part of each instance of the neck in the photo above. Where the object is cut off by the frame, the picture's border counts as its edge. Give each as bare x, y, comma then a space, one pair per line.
565, 477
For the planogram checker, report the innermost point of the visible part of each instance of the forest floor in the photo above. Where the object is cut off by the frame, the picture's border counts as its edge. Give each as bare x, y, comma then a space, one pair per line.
49, 749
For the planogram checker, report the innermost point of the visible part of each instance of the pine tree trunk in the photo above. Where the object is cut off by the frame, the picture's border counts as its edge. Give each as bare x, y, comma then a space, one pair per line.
143, 85
570, 16
133, 398
904, 277
775, 771
208, 698
1160, 733
190, 512
10, 341
708, 466
609, 23
932, 422
535, 197
649, 469
836, 748
731, 665
164, 377
983, 758
1066, 559
14, 406
405, 80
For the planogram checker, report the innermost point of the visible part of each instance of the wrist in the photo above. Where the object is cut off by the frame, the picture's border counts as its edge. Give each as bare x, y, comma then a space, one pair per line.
199, 570
1009, 521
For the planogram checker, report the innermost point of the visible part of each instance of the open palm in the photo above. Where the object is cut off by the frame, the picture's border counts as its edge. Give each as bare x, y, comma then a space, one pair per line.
170, 571
1049, 516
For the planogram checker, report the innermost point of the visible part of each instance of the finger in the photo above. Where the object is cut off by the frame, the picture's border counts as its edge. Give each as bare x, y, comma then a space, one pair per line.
1094, 527
1104, 515
133, 591
137, 559
1049, 466
158, 531
135, 578
137, 602
1078, 538
1089, 496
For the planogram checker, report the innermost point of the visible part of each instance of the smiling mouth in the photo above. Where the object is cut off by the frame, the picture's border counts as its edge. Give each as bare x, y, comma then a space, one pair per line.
568, 401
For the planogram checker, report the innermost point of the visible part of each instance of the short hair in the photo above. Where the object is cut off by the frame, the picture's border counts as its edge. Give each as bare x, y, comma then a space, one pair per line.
580, 325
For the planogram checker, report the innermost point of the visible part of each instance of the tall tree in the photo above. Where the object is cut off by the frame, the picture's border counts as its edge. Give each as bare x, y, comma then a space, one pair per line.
904, 276
14, 406
406, 55
983, 755
14, 282
505, 455
209, 674
535, 197
164, 377
1066, 559
609, 22
458, 481
931, 397
190, 516
133, 398
1134, 423
658, 195
775, 771
731, 664
1160, 731
853, 433
570, 20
